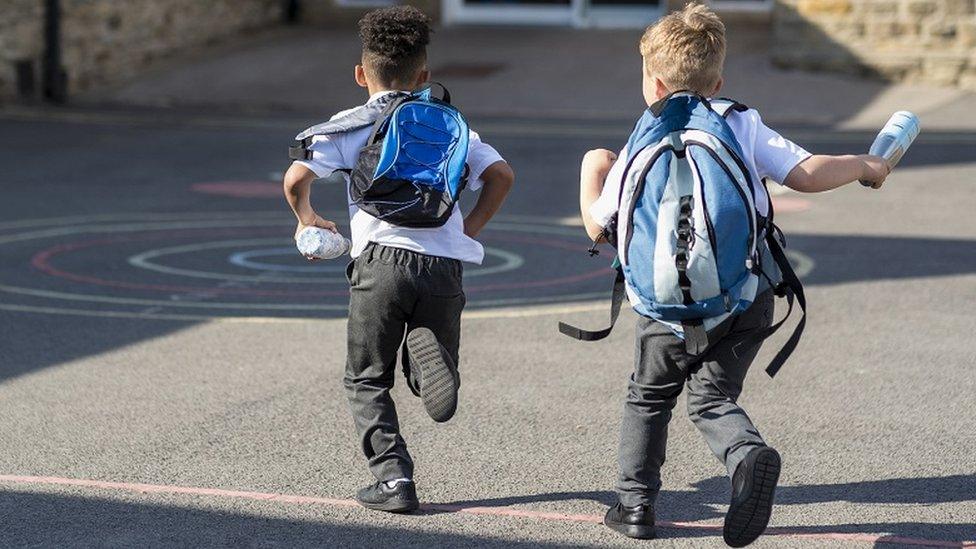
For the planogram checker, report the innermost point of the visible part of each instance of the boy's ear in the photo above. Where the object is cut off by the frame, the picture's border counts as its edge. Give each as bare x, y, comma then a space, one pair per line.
422, 78
718, 87
361, 76
660, 88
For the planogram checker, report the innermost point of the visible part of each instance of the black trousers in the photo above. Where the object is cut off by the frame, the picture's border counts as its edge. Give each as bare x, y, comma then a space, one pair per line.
714, 380
392, 292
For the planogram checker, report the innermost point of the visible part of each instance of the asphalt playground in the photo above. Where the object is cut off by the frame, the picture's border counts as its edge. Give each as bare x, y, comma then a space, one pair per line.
170, 367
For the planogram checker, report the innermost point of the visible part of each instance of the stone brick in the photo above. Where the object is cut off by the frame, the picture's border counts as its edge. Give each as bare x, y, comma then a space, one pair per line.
820, 8
108, 40
967, 35
944, 70
915, 40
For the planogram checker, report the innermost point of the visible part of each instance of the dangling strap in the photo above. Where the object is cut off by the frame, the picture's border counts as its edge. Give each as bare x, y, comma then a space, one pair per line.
301, 150
616, 298
792, 289
696, 338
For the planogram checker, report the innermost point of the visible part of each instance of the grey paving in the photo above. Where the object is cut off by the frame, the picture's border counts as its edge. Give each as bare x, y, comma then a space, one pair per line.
873, 415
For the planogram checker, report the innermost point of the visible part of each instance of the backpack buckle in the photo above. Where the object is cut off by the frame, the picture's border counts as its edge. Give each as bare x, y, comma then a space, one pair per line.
780, 289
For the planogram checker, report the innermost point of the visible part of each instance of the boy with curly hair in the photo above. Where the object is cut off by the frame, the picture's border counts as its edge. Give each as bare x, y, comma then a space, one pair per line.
406, 295
683, 56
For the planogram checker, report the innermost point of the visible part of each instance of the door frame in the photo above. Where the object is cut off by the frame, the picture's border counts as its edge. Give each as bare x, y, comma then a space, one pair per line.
455, 12
578, 13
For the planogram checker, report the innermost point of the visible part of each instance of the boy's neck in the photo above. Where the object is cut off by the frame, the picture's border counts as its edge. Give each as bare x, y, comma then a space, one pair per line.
380, 89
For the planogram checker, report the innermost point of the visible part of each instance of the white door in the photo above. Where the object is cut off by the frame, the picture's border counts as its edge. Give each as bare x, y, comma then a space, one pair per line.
578, 13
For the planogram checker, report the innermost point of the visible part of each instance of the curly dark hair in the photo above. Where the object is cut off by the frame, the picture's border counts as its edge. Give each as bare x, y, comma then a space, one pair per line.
395, 43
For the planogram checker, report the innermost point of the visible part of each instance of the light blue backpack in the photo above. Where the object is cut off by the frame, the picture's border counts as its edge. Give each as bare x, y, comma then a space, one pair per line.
688, 235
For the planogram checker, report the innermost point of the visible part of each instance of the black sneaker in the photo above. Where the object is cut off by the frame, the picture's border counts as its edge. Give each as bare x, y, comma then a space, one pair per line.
438, 379
633, 522
753, 488
402, 498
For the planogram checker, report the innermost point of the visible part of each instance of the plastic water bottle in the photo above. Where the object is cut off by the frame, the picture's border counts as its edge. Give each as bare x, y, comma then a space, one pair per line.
895, 138
322, 243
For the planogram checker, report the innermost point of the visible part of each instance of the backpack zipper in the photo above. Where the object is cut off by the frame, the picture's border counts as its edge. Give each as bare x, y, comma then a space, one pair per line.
709, 228
637, 191
738, 188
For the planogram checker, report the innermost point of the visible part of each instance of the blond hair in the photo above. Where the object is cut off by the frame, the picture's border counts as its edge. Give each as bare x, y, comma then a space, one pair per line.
686, 49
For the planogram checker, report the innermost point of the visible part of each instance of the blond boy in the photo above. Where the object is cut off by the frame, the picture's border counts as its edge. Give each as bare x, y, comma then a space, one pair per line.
685, 52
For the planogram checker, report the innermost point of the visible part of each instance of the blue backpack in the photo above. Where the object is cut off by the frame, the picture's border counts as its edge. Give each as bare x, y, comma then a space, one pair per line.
688, 235
412, 169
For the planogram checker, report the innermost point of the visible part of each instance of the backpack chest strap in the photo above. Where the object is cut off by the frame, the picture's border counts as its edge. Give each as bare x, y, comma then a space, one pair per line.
356, 119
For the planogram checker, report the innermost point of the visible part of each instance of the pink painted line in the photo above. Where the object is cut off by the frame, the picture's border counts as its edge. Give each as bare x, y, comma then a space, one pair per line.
786, 204
240, 189
163, 489
450, 508
43, 261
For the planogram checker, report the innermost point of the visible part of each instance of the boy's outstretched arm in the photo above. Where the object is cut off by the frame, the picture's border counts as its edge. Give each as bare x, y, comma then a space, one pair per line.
498, 180
820, 173
298, 191
593, 175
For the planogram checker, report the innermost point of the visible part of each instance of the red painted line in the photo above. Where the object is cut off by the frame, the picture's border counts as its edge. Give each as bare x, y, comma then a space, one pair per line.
42, 261
240, 189
450, 508
787, 204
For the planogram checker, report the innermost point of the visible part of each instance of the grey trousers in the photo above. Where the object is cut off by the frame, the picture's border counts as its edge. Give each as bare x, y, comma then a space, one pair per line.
393, 291
714, 381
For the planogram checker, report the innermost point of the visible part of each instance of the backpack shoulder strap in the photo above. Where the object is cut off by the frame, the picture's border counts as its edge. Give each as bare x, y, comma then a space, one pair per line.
427, 91
379, 123
616, 298
792, 289
355, 119
725, 106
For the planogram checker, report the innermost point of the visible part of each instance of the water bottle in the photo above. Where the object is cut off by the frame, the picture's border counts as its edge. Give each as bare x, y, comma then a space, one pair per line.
895, 138
322, 243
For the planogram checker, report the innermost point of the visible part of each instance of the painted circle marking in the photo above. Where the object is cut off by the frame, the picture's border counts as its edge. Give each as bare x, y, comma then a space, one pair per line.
144, 260
244, 259
185, 226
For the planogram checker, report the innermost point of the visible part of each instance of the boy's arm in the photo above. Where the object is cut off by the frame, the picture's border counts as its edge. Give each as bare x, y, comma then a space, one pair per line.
298, 190
593, 175
820, 173
498, 179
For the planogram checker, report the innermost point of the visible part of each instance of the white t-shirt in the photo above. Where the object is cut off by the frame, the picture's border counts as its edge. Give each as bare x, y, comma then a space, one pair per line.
340, 151
767, 155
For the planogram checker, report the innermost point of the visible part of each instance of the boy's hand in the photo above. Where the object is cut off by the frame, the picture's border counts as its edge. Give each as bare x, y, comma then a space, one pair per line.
498, 179
594, 169
598, 162
315, 221
876, 170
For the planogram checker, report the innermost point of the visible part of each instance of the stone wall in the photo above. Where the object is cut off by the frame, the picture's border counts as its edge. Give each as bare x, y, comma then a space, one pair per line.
109, 40
930, 41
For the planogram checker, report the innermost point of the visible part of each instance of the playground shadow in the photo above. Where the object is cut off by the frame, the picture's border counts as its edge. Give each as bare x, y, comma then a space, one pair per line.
853, 258
54, 520
699, 505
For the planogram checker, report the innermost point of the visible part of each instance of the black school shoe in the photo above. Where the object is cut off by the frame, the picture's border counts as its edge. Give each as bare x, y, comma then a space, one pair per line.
633, 522
402, 498
438, 378
753, 489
